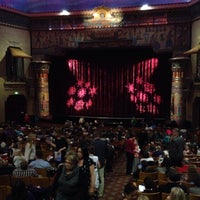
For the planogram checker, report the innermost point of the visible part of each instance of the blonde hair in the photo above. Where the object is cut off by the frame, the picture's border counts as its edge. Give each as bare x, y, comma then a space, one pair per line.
177, 194
31, 138
71, 156
18, 152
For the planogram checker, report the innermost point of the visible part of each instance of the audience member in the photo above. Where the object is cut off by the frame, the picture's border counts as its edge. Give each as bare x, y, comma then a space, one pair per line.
39, 162
24, 170
165, 166
18, 157
129, 149
176, 147
68, 182
177, 194
147, 157
150, 185
86, 166
97, 165
111, 152
5, 168
100, 150
136, 154
184, 167
192, 174
130, 192
196, 188
30, 148
173, 181
60, 146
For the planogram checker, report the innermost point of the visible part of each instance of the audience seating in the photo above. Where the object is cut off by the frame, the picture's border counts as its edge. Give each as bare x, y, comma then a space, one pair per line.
187, 185
193, 196
51, 180
26, 179
197, 163
5, 190
140, 182
152, 196
162, 182
5, 179
153, 175
41, 171
152, 168
164, 195
40, 181
162, 176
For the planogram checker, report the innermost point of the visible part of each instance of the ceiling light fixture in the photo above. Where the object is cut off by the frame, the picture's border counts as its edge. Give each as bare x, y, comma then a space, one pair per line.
64, 12
145, 7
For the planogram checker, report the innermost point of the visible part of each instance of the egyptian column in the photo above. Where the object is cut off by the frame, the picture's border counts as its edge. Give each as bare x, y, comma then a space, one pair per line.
180, 76
41, 71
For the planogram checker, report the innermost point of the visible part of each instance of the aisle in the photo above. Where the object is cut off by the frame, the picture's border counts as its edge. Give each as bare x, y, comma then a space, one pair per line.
115, 181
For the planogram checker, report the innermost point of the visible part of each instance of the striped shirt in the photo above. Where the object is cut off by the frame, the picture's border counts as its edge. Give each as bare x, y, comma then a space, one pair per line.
27, 172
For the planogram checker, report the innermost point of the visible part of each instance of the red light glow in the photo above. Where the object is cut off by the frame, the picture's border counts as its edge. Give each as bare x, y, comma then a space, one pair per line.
142, 92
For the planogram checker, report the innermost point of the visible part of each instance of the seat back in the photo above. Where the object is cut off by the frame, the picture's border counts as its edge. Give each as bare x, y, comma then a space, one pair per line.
193, 196
187, 185
43, 182
164, 195
41, 171
5, 190
141, 182
143, 175
5, 179
153, 196
26, 179
162, 176
197, 163
162, 182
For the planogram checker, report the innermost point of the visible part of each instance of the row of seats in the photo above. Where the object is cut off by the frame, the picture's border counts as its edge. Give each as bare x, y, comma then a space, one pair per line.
163, 196
159, 179
36, 181
5, 191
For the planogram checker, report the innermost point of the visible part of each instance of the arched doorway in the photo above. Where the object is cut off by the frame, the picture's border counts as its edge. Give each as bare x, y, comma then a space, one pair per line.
15, 108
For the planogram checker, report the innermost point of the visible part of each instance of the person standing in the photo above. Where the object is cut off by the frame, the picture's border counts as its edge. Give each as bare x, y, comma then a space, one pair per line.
100, 150
176, 148
87, 169
60, 145
68, 180
30, 148
129, 149
136, 154
96, 166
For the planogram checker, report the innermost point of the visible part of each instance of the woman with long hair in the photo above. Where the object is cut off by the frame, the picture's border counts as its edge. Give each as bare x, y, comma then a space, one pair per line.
87, 168
30, 148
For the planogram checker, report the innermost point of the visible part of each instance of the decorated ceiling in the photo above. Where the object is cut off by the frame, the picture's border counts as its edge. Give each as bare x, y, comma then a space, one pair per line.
38, 6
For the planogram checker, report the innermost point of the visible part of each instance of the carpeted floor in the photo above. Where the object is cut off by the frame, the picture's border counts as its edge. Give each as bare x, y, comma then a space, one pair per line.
115, 181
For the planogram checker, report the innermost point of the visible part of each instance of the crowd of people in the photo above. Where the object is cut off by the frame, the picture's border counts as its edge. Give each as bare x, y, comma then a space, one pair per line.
81, 153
